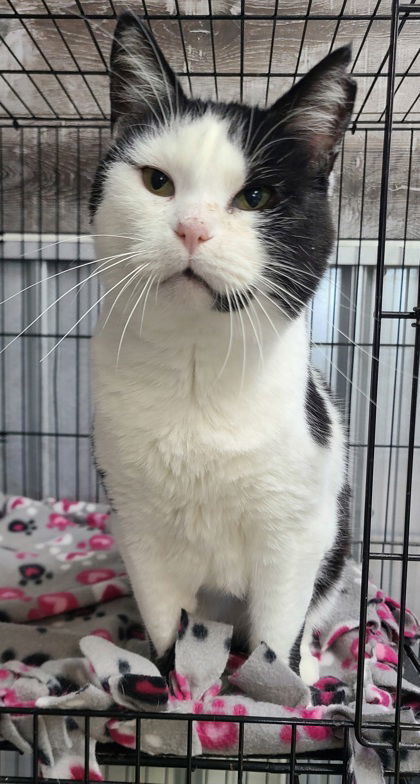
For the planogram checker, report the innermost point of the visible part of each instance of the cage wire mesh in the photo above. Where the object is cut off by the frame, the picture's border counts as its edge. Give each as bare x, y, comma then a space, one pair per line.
54, 128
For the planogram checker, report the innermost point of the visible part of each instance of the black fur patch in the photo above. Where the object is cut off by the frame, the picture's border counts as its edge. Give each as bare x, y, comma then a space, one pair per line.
315, 696
166, 663
340, 697
333, 562
43, 757
241, 301
36, 659
145, 688
96, 193
123, 666
200, 631
317, 414
135, 631
183, 624
294, 656
387, 756
387, 759
100, 472
8, 655
269, 655
62, 685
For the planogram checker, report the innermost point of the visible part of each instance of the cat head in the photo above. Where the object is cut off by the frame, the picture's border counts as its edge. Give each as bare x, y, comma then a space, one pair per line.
216, 205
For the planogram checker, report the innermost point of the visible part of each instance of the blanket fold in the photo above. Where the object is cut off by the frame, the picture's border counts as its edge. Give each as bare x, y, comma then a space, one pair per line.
72, 638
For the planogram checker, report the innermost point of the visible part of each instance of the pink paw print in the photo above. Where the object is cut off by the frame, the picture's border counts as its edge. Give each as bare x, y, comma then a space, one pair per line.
58, 521
219, 735
14, 593
97, 520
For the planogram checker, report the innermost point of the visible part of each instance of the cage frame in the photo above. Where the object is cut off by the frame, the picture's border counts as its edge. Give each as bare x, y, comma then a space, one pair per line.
295, 764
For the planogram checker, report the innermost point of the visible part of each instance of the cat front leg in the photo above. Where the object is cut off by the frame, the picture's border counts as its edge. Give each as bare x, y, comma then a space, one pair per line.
280, 594
159, 587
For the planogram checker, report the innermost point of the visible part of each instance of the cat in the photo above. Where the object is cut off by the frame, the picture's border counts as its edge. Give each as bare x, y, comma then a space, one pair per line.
221, 450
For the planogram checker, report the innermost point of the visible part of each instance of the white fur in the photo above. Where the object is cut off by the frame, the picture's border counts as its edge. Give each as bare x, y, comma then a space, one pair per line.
209, 461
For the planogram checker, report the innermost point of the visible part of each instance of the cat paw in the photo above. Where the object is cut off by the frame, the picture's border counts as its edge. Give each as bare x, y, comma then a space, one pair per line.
309, 668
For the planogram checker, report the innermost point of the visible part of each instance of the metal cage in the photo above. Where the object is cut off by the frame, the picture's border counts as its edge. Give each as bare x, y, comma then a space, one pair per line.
365, 318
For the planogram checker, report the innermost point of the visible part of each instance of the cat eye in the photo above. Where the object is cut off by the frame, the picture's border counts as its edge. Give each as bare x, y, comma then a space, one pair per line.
157, 182
252, 198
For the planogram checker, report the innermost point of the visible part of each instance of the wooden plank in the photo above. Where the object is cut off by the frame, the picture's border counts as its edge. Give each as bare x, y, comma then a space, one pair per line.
48, 175
38, 44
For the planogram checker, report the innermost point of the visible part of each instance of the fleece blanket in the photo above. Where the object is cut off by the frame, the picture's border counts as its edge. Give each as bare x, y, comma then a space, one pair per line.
71, 637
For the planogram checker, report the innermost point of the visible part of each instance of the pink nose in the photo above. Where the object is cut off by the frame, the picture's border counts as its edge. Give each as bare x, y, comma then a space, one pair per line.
192, 232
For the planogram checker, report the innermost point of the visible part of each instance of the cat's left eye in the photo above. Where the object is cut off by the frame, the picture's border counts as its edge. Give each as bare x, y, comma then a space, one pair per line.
252, 198
157, 182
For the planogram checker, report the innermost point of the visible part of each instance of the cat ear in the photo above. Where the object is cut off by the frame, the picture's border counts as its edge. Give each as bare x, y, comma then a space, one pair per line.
318, 108
142, 82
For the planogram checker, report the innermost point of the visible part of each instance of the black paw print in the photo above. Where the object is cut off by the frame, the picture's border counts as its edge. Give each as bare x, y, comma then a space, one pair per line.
22, 527
129, 630
87, 613
33, 573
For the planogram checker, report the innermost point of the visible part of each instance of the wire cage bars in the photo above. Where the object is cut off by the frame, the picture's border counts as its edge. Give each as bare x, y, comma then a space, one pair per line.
54, 127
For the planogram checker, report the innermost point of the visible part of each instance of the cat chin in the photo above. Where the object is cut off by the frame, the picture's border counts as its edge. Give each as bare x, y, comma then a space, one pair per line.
192, 292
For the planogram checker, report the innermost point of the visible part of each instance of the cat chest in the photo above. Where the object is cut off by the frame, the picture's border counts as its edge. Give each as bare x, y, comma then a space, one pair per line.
204, 452
222, 460
203, 475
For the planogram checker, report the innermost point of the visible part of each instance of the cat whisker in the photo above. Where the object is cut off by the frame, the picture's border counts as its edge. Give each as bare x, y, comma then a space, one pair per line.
238, 310
336, 368
257, 336
276, 286
134, 291
157, 288
47, 309
145, 303
252, 306
285, 294
349, 380
57, 274
269, 319
136, 272
89, 310
226, 359
79, 237
272, 302
283, 312
352, 342
126, 325
300, 280
302, 274
101, 268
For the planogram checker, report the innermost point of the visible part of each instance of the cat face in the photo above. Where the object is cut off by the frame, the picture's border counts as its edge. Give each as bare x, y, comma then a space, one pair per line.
215, 205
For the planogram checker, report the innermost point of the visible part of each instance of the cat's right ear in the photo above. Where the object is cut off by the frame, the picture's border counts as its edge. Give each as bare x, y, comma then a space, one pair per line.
142, 82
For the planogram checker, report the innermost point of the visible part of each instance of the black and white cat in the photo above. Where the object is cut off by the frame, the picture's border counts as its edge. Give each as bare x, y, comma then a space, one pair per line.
221, 450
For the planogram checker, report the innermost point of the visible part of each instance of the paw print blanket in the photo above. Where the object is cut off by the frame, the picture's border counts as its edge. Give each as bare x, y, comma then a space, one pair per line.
71, 638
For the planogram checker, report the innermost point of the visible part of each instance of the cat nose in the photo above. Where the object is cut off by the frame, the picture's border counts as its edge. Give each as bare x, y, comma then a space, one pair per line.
192, 232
